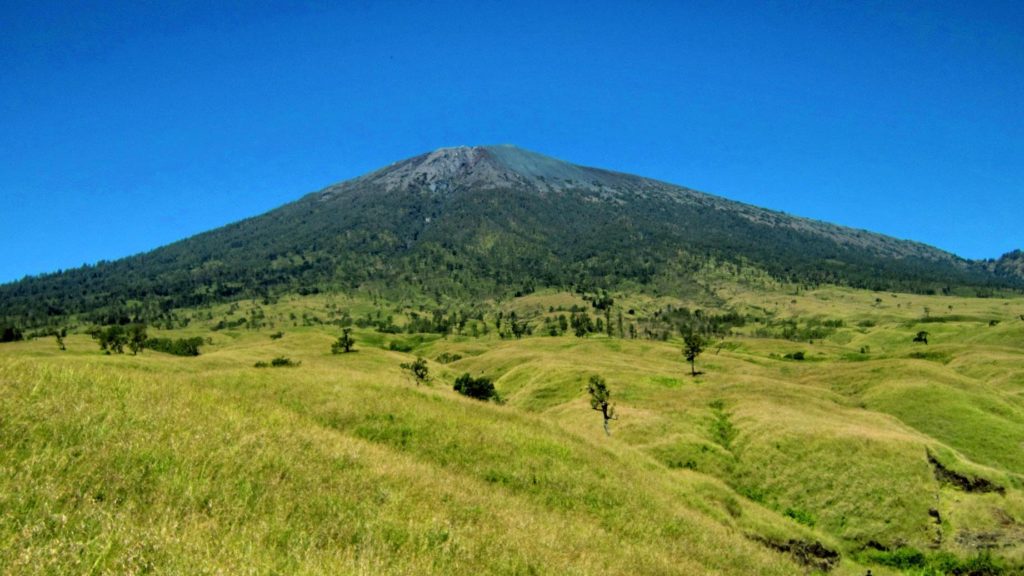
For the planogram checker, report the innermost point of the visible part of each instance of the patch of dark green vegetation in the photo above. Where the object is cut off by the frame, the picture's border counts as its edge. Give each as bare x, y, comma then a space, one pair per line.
932, 355
479, 388
11, 334
723, 432
907, 559
400, 346
800, 516
448, 357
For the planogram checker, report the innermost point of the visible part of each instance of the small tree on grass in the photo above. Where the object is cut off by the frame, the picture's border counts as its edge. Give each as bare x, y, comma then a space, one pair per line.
600, 398
922, 336
344, 343
419, 369
60, 339
693, 345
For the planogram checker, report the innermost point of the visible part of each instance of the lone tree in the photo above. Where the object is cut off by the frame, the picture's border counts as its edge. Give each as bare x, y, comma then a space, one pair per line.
60, 339
599, 400
922, 336
693, 345
344, 343
418, 368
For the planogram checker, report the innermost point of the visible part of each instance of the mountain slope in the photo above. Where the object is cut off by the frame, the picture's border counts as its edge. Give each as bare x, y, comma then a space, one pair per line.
485, 221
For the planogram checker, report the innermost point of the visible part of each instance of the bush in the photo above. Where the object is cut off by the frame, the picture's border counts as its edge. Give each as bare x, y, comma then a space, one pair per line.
795, 356
479, 388
279, 362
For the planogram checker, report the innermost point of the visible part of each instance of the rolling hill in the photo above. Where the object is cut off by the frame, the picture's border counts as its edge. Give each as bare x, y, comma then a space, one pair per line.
856, 405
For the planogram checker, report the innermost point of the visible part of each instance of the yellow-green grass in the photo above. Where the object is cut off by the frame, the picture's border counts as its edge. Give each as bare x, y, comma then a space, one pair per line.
121, 464
116, 464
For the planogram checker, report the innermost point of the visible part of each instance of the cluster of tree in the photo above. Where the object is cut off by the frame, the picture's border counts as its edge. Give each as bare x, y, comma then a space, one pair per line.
440, 322
11, 334
176, 346
797, 330
114, 338
514, 326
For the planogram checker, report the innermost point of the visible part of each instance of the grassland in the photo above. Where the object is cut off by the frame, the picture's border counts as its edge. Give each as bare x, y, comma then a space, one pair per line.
343, 465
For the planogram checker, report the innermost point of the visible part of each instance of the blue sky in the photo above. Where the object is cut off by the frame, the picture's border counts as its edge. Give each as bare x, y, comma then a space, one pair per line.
128, 125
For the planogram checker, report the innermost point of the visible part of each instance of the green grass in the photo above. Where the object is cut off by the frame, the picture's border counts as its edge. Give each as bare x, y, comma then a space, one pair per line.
343, 465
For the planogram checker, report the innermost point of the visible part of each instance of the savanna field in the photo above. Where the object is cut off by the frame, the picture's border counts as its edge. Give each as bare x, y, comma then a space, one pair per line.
817, 437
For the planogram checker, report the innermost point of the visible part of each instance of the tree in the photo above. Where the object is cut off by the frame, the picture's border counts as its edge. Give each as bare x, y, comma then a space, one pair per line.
419, 369
136, 338
599, 400
344, 343
60, 338
922, 336
693, 345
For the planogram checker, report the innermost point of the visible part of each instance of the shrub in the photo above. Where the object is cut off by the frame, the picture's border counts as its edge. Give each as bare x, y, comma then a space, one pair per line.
279, 362
479, 388
419, 369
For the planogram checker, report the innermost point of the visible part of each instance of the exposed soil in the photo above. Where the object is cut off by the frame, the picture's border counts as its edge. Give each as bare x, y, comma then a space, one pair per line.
811, 554
962, 481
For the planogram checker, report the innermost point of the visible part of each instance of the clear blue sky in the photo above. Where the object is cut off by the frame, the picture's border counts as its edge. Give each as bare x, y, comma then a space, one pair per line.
128, 125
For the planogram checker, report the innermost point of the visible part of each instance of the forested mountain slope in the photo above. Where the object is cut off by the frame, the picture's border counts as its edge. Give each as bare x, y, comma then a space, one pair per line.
481, 221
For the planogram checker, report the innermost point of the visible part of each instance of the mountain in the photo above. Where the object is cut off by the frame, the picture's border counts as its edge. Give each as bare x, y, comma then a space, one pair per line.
491, 220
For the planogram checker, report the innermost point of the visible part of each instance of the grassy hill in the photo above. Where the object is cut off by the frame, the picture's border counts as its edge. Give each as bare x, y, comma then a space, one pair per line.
871, 452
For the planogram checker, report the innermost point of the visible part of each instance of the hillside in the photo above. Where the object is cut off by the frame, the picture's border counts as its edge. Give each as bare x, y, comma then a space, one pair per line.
873, 451
483, 222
